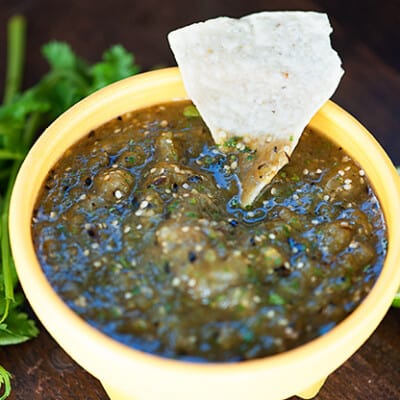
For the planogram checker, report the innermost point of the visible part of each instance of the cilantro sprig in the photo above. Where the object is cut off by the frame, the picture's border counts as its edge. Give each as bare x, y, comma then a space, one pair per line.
22, 115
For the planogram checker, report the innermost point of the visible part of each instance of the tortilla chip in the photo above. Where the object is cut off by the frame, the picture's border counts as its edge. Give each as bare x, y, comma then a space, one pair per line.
260, 78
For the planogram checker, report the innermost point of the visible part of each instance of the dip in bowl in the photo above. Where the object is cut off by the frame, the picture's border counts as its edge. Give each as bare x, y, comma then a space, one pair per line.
129, 373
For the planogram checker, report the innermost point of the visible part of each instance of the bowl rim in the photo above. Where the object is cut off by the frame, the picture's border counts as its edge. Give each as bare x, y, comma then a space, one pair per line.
363, 317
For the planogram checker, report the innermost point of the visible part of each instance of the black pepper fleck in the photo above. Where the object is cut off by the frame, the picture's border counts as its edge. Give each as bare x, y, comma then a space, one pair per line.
167, 267
91, 232
194, 179
160, 180
282, 271
135, 203
192, 256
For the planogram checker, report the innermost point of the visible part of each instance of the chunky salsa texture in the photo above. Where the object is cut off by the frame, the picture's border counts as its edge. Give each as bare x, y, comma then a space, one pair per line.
139, 230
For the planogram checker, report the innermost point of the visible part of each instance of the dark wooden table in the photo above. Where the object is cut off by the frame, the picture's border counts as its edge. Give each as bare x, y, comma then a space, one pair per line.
367, 36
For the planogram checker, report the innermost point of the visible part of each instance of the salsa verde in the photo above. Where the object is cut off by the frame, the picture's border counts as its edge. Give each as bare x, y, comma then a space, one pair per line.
138, 228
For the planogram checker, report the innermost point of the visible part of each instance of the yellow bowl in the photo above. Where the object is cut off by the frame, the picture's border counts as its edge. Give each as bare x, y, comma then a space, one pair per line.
130, 374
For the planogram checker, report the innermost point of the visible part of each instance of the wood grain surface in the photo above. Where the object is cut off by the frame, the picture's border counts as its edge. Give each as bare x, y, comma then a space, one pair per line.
366, 35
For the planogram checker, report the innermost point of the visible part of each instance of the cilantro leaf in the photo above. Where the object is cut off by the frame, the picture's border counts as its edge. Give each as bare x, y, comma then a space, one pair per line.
191, 112
275, 299
5, 377
396, 300
60, 56
117, 64
17, 327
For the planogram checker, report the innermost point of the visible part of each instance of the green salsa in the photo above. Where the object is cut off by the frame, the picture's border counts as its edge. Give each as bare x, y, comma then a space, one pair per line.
138, 228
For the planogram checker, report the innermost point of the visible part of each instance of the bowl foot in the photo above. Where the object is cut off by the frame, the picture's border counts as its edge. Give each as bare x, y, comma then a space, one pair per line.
312, 391
115, 394
308, 393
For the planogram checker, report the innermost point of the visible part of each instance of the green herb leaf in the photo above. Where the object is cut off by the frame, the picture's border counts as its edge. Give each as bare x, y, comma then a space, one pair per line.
10, 155
60, 56
247, 335
5, 383
232, 141
396, 300
16, 327
191, 112
117, 64
275, 299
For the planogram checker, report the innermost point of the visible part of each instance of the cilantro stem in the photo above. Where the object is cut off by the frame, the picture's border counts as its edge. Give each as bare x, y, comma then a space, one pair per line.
32, 125
6, 258
4, 173
5, 380
7, 264
74, 79
10, 155
15, 56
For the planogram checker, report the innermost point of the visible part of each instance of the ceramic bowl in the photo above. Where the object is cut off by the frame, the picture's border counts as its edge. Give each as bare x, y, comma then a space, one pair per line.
130, 374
